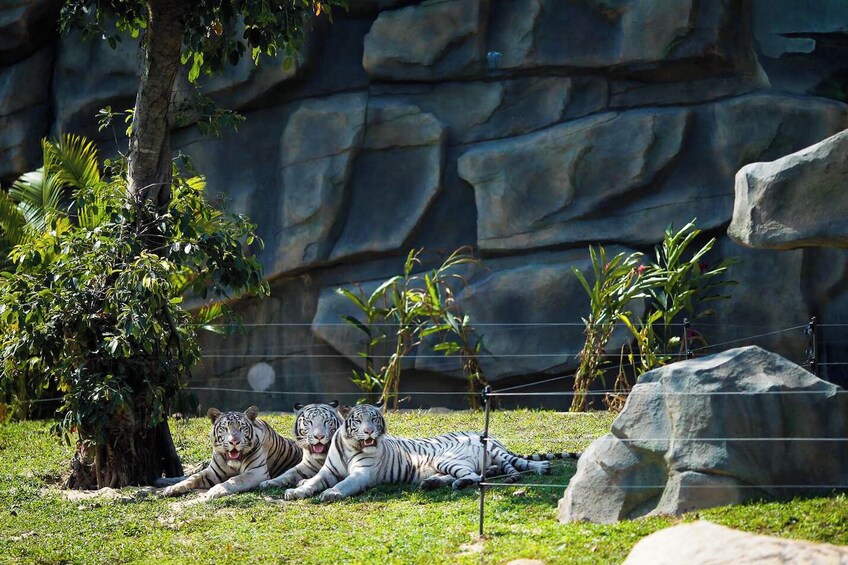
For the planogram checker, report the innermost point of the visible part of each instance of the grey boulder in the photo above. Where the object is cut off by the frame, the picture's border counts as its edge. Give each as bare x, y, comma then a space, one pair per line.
795, 201
704, 542
718, 430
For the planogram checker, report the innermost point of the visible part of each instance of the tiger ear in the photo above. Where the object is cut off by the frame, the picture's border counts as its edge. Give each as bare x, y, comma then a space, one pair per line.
251, 413
380, 403
213, 414
297, 406
334, 403
344, 410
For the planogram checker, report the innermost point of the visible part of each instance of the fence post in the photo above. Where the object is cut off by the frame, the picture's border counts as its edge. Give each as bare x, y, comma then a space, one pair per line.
484, 439
812, 346
686, 325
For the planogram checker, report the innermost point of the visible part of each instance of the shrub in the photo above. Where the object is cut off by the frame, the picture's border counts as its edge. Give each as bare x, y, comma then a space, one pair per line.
416, 306
675, 288
96, 311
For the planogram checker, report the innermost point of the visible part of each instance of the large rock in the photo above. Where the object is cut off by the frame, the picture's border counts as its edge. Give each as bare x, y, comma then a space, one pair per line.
763, 127
796, 201
318, 148
802, 50
581, 180
702, 543
706, 432
436, 39
529, 189
597, 34
397, 176
483, 110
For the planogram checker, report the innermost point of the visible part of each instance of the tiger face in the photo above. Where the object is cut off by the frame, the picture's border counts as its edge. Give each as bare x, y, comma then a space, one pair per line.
315, 425
233, 434
363, 426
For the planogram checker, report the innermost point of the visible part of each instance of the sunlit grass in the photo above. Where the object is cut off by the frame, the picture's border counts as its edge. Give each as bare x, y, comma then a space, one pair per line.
390, 524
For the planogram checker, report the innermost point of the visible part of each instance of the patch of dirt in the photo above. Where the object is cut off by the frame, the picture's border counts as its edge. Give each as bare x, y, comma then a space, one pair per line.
474, 548
128, 494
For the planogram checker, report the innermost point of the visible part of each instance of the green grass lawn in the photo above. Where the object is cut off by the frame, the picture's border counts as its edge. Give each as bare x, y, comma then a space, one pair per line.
41, 524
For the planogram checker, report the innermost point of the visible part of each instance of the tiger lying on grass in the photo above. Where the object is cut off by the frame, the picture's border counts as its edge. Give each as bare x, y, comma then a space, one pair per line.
362, 455
245, 452
314, 427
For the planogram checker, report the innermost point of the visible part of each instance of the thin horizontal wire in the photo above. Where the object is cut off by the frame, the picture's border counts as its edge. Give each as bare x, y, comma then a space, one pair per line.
388, 324
662, 487
247, 390
38, 400
636, 392
487, 324
750, 338
553, 379
633, 392
377, 355
417, 356
676, 439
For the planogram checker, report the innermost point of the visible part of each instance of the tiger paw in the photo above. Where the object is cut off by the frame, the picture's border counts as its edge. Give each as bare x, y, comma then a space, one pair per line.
269, 484
172, 491
544, 468
216, 492
430, 483
295, 494
460, 484
331, 495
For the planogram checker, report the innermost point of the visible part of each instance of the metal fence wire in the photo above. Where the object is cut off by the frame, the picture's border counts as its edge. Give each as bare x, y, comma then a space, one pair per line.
811, 363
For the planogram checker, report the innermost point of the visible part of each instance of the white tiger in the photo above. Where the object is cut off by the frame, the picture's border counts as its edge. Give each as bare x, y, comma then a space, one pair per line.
314, 427
245, 452
363, 455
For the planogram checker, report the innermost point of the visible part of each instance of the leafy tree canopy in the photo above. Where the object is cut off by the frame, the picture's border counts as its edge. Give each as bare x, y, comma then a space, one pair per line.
216, 32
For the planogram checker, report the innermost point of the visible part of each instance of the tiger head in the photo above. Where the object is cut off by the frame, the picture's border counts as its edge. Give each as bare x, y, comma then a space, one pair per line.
315, 425
363, 426
233, 434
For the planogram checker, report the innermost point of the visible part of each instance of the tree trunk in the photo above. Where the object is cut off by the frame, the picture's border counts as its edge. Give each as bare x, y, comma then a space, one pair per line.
149, 158
135, 455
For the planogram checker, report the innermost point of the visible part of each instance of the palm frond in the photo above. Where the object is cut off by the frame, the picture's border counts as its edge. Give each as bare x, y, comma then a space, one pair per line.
74, 161
12, 220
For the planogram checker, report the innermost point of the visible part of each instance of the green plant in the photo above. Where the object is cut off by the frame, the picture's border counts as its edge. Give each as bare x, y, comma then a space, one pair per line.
95, 312
676, 285
681, 284
416, 306
616, 284
69, 165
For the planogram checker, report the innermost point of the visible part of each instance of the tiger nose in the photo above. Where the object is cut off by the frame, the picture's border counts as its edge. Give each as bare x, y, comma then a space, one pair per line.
233, 440
368, 430
319, 435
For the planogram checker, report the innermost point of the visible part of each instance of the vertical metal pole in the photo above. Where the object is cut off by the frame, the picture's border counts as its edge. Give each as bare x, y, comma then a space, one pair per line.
686, 349
485, 441
815, 346
812, 346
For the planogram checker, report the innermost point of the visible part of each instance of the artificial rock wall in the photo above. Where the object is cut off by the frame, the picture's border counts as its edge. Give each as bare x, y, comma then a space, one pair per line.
526, 128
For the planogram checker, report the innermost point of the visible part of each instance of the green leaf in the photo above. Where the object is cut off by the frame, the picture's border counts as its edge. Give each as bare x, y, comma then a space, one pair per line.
357, 324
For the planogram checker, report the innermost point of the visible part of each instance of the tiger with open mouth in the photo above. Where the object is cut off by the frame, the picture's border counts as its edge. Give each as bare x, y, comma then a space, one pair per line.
245, 452
362, 455
314, 426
